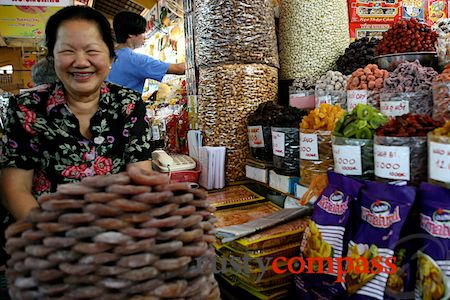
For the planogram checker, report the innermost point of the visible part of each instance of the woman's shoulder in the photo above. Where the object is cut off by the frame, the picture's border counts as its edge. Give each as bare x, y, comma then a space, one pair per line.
35, 96
123, 95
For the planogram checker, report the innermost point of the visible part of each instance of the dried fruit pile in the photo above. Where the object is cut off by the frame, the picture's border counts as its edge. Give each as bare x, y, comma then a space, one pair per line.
407, 36
408, 125
115, 237
358, 54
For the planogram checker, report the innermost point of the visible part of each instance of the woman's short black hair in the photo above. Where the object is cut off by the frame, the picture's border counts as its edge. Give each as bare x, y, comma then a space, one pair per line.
127, 22
78, 12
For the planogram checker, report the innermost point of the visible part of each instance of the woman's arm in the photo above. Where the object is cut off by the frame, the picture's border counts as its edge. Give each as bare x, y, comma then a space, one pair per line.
15, 191
145, 165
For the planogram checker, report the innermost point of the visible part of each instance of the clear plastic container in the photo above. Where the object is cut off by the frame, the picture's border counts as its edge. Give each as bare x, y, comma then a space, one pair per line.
398, 104
405, 159
302, 99
331, 97
439, 160
260, 140
318, 158
441, 101
359, 150
286, 150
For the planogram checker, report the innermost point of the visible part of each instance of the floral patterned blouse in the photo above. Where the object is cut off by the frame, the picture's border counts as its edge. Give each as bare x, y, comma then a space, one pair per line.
43, 134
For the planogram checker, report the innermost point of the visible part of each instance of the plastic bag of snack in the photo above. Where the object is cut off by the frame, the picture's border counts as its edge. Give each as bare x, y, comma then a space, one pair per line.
324, 238
433, 261
384, 210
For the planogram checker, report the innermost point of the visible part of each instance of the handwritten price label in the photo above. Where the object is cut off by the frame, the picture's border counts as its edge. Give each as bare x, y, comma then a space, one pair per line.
278, 139
392, 162
394, 108
439, 161
308, 146
255, 136
355, 97
347, 160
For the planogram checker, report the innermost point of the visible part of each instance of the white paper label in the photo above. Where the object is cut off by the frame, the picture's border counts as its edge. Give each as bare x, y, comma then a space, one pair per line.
298, 94
278, 143
323, 100
255, 136
439, 161
308, 146
355, 97
155, 133
394, 108
392, 162
347, 159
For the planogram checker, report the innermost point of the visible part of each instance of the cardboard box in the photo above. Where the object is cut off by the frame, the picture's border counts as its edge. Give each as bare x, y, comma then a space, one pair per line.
282, 183
374, 11
360, 30
258, 174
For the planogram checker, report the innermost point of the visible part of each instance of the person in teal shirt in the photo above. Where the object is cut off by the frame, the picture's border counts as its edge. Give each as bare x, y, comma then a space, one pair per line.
130, 69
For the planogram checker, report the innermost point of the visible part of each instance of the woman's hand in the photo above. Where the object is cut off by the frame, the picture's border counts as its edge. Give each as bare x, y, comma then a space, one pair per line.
15, 189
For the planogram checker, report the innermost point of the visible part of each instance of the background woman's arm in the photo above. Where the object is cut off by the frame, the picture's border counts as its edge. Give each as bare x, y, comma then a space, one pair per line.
15, 190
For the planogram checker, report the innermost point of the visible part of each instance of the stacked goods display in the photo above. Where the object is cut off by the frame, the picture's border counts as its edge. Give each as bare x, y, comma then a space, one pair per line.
228, 95
121, 236
301, 92
353, 141
400, 149
316, 155
442, 28
359, 54
324, 237
312, 36
441, 96
251, 251
432, 263
285, 141
408, 90
259, 131
364, 86
439, 156
237, 31
331, 89
407, 36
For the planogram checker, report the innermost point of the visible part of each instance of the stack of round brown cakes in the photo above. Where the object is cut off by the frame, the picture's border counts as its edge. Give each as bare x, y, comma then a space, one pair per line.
126, 236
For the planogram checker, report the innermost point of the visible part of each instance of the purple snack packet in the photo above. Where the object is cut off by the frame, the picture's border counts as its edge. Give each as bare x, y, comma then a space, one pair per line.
384, 210
324, 238
433, 260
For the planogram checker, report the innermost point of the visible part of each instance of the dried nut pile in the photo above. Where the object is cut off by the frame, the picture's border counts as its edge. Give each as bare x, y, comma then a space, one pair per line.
331, 89
441, 96
411, 82
227, 96
359, 54
304, 84
442, 28
122, 236
313, 33
407, 36
237, 31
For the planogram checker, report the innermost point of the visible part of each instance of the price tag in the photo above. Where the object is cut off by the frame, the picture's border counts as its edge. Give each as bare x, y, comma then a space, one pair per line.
394, 108
255, 136
308, 146
347, 159
278, 143
392, 162
439, 161
323, 100
355, 97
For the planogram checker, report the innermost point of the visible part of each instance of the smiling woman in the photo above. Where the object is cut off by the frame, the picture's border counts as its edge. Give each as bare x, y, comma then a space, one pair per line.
79, 126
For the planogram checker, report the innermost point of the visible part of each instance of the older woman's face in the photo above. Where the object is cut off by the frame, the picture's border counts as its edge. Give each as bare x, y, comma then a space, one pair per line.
82, 58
